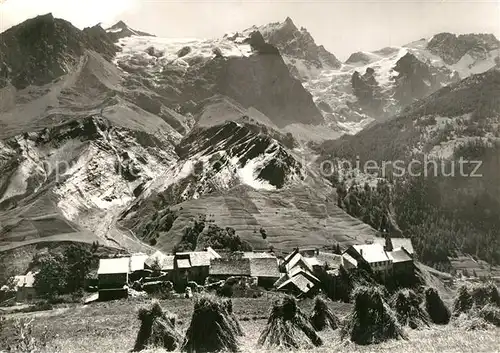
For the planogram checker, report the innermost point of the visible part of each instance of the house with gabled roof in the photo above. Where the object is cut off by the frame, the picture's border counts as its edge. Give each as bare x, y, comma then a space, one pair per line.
295, 259
113, 275
402, 262
265, 269
374, 255
398, 243
193, 265
299, 284
349, 262
165, 262
222, 269
262, 266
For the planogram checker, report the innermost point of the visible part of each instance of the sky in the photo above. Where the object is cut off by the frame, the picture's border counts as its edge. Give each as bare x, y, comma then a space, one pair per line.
343, 27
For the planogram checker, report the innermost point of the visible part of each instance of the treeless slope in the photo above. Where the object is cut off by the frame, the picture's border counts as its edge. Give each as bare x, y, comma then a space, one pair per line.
292, 217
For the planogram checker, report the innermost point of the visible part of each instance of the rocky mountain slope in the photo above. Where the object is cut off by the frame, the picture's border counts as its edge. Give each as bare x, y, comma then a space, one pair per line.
33, 52
437, 126
298, 48
442, 157
128, 138
87, 147
374, 86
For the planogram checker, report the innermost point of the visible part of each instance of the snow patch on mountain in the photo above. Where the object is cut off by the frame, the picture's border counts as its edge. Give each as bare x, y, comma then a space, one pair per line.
159, 52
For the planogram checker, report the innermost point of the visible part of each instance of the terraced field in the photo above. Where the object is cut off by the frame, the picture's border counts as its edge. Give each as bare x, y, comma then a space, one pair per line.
291, 217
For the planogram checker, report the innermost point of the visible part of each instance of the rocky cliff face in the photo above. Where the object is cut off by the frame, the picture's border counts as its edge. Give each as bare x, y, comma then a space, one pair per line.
121, 30
367, 90
350, 97
416, 79
106, 130
244, 68
451, 48
298, 44
44, 48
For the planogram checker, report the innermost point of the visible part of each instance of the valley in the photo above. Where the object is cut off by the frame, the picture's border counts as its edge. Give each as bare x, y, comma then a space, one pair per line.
115, 125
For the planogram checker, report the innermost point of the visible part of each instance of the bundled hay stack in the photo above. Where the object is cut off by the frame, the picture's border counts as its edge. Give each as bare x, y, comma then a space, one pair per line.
372, 320
322, 317
485, 294
463, 301
157, 329
436, 308
408, 307
491, 314
288, 327
475, 297
212, 328
477, 307
228, 305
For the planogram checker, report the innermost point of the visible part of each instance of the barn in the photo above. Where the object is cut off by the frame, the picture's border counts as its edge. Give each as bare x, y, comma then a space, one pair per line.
113, 278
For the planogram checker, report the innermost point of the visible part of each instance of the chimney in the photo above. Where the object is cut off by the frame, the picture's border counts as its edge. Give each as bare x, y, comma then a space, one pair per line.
361, 252
388, 243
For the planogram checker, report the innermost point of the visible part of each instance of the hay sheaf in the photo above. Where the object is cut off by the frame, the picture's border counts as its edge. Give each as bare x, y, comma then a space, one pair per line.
436, 308
288, 327
408, 307
477, 306
475, 297
157, 329
372, 320
228, 305
213, 327
322, 317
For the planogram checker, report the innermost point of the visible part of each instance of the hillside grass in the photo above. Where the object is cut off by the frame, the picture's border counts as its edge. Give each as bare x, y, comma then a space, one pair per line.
112, 327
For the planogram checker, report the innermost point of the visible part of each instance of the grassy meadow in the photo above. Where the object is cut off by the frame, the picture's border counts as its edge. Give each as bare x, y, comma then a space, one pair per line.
112, 327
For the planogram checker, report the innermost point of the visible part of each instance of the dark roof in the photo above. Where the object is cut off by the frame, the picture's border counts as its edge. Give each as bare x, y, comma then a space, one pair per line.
230, 267
264, 267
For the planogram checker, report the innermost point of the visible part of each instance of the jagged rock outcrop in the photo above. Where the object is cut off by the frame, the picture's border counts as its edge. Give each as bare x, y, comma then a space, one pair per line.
368, 92
298, 44
258, 79
121, 30
451, 48
264, 82
44, 48
416, 79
